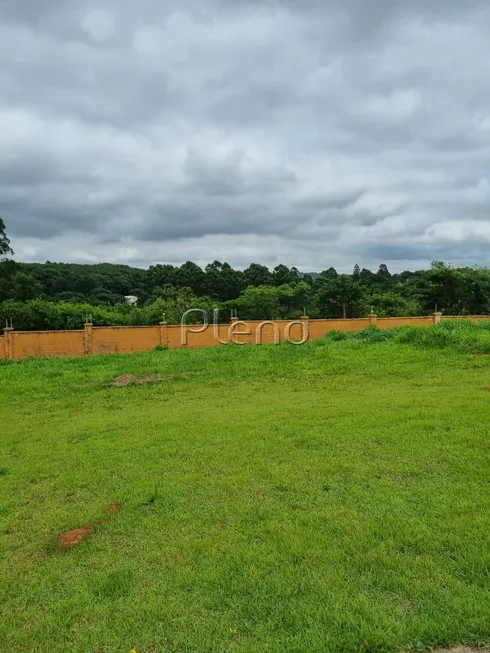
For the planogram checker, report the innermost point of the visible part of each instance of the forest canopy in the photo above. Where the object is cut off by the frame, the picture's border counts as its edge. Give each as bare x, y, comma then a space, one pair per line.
61, 295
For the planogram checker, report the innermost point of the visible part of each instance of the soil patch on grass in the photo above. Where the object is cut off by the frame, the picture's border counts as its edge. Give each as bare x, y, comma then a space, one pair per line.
114, 507
70, 539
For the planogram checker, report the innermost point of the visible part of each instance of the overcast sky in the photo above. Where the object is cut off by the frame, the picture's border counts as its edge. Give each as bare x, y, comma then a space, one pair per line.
308, 132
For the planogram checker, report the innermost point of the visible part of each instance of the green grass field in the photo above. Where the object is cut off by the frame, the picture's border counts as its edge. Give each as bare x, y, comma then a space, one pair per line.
332, 497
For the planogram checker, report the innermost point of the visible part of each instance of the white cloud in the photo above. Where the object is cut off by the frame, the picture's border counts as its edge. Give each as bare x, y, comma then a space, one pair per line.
99, 24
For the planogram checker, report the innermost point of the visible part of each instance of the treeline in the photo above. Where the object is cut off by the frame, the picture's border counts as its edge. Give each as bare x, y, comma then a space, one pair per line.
62, 295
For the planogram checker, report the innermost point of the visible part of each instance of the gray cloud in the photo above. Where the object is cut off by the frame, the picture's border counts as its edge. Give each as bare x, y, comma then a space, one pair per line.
313, 133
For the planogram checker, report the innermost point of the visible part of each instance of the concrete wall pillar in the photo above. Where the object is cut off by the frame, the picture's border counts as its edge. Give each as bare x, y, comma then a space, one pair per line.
9, 345
373, 319
437, 317
88, 338
163, 334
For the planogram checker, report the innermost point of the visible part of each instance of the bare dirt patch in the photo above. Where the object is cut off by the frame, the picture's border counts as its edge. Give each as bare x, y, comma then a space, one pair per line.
70, 539
487, 388
111, 510
114, 507
132, 379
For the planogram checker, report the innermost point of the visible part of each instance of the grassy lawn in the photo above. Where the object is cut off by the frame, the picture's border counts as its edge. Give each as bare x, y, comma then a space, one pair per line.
333, 497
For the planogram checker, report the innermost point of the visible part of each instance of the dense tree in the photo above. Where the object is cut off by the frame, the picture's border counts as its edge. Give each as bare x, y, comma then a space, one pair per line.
366, 277
232, 282
158, 276
57, 278
38, 294
222, 281
193, 277
4, 241
257, 275
25, 287
102, 297
8, 270
72, 297
337, 295
390, 304
331, 273
271, 302
474, 287
167, 293
282, 275
384, 272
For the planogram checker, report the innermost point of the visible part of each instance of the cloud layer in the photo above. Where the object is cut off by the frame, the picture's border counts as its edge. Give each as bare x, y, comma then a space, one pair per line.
313, 133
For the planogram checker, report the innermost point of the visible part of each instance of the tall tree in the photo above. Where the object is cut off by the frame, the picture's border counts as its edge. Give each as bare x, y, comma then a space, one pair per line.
338, 296
257, 275
383, 271
282, 275
192, 276
25, 287
443, 288
4, 241
331, 273
159, 276
8, 268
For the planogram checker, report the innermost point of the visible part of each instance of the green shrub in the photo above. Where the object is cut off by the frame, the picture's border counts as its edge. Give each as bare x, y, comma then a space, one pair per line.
336, 335
374, 334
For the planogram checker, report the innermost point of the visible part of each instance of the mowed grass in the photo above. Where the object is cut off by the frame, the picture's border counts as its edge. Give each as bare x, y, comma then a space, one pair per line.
332, 497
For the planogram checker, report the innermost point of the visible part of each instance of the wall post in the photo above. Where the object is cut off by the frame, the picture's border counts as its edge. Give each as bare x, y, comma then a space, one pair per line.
88, 338
437, 317
373, 319
9, 354
163, 334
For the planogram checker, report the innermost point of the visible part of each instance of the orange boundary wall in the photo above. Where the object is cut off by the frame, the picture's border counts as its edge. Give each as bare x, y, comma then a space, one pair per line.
92, 340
